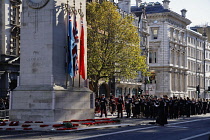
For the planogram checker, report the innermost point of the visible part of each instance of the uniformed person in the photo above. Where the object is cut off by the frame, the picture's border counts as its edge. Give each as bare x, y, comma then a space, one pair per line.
188, 107
128, 105
136, 104
103, 104
171, 108
120, 104
112, 104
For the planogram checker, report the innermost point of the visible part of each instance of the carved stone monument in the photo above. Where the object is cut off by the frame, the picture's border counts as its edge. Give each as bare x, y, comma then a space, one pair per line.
42, 94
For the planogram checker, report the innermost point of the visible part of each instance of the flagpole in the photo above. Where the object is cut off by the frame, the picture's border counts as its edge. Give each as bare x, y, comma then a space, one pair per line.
74, 71
67, 47
80, 13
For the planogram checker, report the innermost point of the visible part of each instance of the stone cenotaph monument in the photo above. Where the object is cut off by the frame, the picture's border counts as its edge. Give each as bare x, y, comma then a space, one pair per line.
42, 93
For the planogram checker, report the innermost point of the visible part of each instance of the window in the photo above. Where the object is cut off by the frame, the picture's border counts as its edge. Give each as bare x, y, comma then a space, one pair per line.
189, 65
14, 49
150, 57
15, 15
154, 33
153, 57
15, 29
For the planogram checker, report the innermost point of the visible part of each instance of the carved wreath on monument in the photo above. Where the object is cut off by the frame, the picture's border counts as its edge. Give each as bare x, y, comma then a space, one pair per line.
37, 4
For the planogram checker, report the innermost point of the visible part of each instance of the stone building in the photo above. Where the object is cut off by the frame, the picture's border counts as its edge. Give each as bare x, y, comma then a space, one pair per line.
167, 48
196, 64
207, 71
176, 54
9, 45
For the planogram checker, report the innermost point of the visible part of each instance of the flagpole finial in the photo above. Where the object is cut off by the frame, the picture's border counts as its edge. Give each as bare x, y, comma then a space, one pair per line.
67, 5
71, 9
80, 10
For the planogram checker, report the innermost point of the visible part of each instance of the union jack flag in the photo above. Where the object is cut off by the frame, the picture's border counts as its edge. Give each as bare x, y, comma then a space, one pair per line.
71, 43
74, 49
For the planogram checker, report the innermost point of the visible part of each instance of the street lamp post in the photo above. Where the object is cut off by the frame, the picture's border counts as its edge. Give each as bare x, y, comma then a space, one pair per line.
198, 87
145, 84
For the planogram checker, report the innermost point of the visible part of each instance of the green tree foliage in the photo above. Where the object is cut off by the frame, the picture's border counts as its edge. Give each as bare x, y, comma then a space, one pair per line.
113, 44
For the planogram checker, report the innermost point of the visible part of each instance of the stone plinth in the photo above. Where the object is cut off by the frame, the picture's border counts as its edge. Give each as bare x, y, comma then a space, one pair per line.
48, 104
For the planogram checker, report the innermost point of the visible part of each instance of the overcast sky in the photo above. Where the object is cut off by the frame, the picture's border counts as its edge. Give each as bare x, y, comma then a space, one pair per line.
198, 11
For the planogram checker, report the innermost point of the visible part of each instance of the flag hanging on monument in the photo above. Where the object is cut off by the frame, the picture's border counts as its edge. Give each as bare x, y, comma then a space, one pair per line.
74, 49
82, 53
71, 43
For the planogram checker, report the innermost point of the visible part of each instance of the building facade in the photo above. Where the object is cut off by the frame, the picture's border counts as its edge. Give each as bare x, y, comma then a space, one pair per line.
177, 55
196, 64
9, 45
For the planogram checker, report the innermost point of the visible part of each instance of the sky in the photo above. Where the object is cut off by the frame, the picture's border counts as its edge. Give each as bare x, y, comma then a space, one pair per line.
198, 11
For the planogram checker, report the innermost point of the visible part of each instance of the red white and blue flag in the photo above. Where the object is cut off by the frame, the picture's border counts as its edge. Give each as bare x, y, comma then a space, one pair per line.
74, 49
71, 43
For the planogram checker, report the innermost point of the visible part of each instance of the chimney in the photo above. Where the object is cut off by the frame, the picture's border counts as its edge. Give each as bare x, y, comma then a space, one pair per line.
166, 4
138, 2
184, 11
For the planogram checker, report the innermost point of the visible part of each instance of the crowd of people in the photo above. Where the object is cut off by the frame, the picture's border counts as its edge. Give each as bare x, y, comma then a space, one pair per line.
160, 109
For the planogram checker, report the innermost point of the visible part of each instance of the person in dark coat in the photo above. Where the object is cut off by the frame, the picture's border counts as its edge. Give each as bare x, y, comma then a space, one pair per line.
193, 106
120, 104
204, 107
197, 107
97, 106
176, 108
103, 104
147, 108
152, 108
161, 118
171, 108
188, 107
166, 106
128, 105
181, 107
112, 104
200, 106
136, 104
